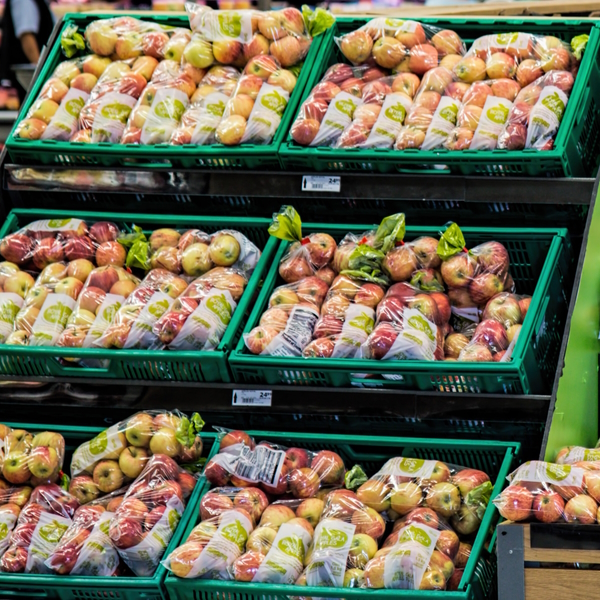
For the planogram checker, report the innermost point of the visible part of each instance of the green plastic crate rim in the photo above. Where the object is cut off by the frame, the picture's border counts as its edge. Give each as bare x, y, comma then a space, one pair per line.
246, 156
515, 376
66, 587
371, 452
160, 365
576, 147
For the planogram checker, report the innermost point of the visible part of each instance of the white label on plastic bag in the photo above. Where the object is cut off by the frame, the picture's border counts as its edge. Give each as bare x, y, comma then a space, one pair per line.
285, 559
297, 333
331, 544
518, 41
417, 340
226, 545
400, 466
407, 562
7, 524
493, 117
141, 335
225, 25
210, 114
358, 324
389, 122
262, 464
10, 304
144, 558
545, 116
443, 122
266, 114
55, 225
205, 327
543, 472
579, 454
338, 116
249, 253
166, 111
470, 313
64, 123
392, 25
48, 532
51, 321
113, 111
98, 557
104, 316
89, 453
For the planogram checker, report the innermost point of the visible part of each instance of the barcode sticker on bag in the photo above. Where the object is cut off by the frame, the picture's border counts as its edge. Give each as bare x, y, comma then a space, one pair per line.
261, 464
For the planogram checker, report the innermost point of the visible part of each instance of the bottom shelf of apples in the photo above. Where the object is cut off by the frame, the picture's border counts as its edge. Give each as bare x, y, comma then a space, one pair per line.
417, 524
116, 516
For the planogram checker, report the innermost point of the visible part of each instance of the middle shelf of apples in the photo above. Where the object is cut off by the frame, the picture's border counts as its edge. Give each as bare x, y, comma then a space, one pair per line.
271, 493
167, 298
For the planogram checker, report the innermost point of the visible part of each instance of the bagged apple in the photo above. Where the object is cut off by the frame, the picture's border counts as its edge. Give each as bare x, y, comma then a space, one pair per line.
201, 118
254, 112
40, 527
347, 319
275, 468
12, 501
551, 492
147, 519
41, 243
78, 549
132, 324
402, 45
208, 554
160, 107
32, 460
120, 453
15, 285
198, 319
514, 55
103, 293
570, 455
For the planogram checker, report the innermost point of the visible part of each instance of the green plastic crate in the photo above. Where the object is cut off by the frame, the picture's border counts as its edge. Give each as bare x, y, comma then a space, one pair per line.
540, 265
576, 147
218, 156
64, 587
371, 452
157, 365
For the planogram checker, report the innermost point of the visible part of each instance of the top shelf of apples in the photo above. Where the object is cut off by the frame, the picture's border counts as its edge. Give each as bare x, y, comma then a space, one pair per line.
410, 85
226, 80
372, 295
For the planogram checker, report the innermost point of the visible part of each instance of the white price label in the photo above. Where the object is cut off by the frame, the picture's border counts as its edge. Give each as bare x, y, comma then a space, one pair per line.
251, 398
321, 183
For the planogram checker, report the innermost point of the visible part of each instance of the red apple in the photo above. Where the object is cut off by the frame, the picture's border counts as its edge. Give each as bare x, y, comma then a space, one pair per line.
514, 503
548, 506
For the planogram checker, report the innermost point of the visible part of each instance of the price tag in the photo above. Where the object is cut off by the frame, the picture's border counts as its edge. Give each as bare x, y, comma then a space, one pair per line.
321, 183
251, 398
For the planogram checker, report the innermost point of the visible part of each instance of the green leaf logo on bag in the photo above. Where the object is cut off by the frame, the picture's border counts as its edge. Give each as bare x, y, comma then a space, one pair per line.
109, 312
216, 108
450, 113
170, 108
498, 114
332, 538
421, 324
557, 472
3, 531
416, 534
58, 314
396, 113
394, 22
410, 465
274, 101
555, 104
221, 308
74, 106
235, 532
230, 24
173, 518
504, 39
99, 444
292, 546
363, 322
8, 312
346, 107
58, 223
591, 455
158, 309
53, 532
116, 112
104, 527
